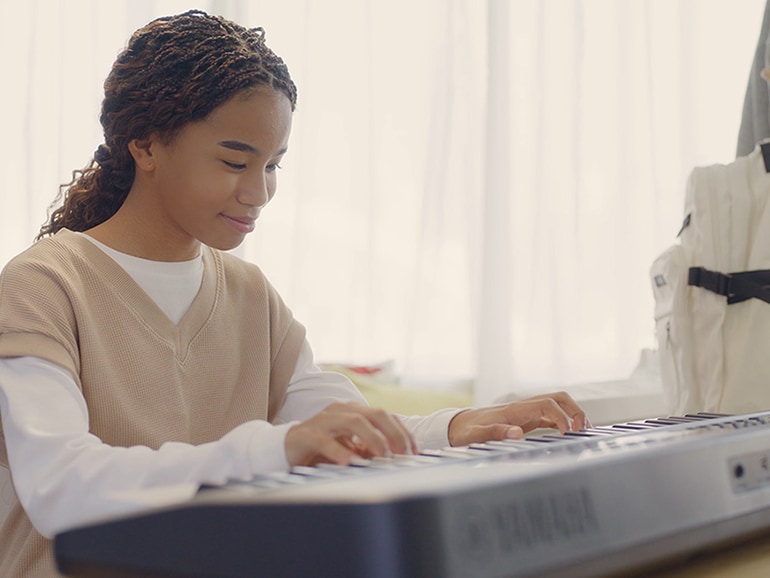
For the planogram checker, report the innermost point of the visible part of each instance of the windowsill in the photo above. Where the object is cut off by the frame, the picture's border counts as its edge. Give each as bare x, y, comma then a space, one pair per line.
608, 402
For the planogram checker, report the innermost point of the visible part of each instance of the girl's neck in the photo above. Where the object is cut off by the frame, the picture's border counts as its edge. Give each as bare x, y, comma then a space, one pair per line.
131, 232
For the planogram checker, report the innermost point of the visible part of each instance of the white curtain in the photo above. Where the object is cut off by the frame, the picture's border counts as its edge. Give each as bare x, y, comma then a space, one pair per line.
474, 190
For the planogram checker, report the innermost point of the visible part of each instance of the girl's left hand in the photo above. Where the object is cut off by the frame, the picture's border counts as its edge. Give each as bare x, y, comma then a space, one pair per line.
513, 420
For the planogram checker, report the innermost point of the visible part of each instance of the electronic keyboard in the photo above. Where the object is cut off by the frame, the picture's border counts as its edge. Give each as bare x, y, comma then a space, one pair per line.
599, 502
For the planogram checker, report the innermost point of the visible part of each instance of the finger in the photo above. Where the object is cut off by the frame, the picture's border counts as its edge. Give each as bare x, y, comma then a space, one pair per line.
350, 421
398, 437
368, 439
332, 451
552, 415
330, 435
573, 410
308, 445
496, 431
355, 444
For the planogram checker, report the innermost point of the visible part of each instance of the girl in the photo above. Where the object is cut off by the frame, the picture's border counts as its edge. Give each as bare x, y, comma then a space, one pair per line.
138, 359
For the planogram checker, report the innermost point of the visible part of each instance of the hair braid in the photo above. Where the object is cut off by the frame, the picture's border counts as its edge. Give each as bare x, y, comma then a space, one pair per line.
175, 70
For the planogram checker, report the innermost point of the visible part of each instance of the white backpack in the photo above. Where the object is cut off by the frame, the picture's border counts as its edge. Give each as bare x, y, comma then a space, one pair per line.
712, 292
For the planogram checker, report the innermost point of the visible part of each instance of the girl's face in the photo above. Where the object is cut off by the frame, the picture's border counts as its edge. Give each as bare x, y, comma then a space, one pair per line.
210, 182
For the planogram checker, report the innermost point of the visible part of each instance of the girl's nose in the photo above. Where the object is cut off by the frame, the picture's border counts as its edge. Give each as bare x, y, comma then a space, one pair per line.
255, 192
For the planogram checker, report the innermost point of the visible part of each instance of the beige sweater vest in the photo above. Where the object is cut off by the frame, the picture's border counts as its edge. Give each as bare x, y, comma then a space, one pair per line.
146, 381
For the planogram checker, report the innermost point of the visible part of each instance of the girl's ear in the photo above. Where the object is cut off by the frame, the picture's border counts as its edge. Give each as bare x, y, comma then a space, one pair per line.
141, 150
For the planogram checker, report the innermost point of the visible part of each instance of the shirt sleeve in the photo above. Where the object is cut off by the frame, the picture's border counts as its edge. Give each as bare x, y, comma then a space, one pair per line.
311, 389
65, 476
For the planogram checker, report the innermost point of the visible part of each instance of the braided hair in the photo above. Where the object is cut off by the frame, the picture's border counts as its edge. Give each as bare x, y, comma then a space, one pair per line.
175, 70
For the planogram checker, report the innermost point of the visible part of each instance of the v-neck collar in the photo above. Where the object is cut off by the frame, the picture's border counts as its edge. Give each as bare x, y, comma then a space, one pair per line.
127, 290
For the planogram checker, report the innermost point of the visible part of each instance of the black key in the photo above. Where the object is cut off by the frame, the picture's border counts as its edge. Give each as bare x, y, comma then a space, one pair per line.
646, 424
541, 439
602, 430
663, 421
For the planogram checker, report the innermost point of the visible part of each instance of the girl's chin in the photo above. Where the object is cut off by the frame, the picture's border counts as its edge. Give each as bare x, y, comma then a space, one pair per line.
225, 244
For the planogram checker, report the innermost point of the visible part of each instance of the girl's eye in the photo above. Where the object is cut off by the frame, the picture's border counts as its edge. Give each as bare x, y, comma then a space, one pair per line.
273, 167
236, 166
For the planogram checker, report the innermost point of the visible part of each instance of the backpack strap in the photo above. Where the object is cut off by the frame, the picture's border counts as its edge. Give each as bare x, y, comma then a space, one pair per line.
736, 287
765, 148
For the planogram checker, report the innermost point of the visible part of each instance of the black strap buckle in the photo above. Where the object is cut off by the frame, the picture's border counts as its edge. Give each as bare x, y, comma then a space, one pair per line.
737, 287
714, 281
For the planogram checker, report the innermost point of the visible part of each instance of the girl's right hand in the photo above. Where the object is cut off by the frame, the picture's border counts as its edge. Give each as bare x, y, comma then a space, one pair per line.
343, 431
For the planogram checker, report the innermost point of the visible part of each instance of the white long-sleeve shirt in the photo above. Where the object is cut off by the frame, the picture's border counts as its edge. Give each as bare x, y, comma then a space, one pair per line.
65, 476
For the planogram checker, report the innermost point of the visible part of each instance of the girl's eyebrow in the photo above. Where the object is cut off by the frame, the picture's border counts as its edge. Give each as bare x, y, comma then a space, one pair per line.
237, 145
241, 146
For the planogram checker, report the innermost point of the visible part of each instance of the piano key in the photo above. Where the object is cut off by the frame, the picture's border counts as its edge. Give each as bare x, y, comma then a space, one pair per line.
332, 467
707, 415
404, 461
285, 478
464, 451
548, 438
381, 464
665, 421
606, 430
491, 446
484, 447
258, 482
420, 459
446, 453
647, 424
561, 437
512, 445
480, 446
359, 462
320, 472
